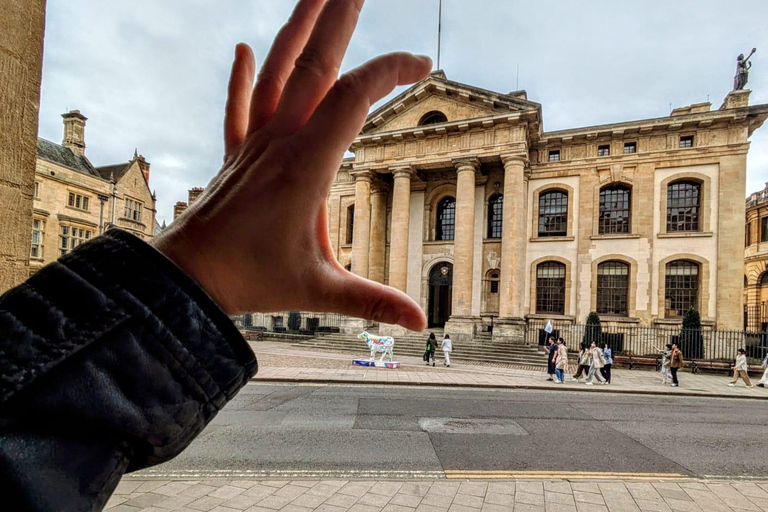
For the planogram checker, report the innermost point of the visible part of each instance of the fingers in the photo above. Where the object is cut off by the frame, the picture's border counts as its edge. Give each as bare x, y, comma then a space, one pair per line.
279, 63
354, 296
238, 99
317, 68
341, 115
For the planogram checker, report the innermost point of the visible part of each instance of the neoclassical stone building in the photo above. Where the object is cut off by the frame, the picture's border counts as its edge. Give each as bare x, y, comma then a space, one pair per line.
756, 262
457, 196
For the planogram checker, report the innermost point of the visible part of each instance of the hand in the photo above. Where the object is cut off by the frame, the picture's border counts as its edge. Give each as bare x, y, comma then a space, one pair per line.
257, 239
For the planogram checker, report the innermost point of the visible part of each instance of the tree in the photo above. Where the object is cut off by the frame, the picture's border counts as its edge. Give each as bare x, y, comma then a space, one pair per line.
691, 340
594, 330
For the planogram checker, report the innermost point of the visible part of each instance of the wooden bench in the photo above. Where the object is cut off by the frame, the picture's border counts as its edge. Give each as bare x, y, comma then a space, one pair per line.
635, 360
720, 365
253, 335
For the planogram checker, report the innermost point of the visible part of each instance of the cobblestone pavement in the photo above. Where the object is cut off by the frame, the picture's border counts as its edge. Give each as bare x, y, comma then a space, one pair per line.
283, 362
561, 495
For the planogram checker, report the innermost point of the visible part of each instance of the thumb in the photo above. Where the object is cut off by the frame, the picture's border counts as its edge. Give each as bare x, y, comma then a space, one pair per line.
353, 295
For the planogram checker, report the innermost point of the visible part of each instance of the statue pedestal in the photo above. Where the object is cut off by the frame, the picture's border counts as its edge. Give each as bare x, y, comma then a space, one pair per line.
376, 364
509, 330
462, 328
350, 325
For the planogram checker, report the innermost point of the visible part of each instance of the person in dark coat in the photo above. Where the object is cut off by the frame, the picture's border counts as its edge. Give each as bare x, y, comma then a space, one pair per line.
430, 352
551, 357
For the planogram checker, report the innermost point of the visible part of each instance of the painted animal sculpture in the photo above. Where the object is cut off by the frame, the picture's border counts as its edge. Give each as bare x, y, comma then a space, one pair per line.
383, 344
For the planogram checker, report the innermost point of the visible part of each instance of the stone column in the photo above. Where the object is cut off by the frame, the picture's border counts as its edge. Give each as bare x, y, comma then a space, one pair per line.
21, 62
362, 223
461, 324
510, 325
398, 247
376, 259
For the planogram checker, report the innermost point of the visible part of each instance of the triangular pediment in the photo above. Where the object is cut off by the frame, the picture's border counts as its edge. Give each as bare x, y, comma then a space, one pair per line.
457, 102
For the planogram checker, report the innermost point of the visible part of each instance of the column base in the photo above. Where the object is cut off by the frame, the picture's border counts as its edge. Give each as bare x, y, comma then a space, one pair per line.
509, 330
462, 328
355, 326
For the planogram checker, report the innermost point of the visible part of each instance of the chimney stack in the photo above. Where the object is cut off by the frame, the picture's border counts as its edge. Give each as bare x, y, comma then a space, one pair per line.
194, 193
74, 132
143, 165
178, 209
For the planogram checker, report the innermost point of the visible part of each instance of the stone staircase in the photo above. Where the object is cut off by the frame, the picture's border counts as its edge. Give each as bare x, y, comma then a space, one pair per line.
480, 350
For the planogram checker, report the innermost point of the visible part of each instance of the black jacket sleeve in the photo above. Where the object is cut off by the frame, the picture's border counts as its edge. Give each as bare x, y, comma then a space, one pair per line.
111, 360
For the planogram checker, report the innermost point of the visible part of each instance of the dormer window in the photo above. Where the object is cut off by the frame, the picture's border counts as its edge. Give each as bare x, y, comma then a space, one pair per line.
434, 117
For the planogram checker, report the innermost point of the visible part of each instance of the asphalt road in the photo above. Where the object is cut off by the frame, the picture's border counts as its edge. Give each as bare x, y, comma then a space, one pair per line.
274, 430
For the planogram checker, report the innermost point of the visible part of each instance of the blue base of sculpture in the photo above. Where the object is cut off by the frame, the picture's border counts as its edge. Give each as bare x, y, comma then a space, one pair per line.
376, 364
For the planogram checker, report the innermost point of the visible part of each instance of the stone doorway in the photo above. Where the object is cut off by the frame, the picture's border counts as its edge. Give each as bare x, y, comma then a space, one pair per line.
440, 294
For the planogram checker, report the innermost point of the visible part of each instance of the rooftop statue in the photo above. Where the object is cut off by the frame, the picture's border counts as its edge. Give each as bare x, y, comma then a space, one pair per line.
742, 71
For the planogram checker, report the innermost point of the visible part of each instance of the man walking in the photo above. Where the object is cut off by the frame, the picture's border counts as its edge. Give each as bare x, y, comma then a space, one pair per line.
676, 362
551, 357
447, 346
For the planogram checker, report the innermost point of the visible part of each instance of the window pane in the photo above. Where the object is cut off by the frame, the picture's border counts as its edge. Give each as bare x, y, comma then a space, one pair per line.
554, 156
71, 201
612, 288
683, 207
681, 288
446, 219
85, 203
614, 210
550, 288
630, 148
553, 213
603, 150
764, 229
495, 212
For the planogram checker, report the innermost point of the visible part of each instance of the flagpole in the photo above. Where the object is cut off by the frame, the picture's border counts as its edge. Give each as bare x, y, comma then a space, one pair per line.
439, 30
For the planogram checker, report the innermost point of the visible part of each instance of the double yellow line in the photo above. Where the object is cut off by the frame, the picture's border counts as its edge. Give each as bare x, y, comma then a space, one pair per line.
561, 475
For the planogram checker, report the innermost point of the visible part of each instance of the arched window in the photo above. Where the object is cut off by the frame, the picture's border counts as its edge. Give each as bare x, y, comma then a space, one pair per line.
446, 219
553, 213
683, 206
681, 288
550, 288
764, 279
350, 222
612, 288
495, 211
433, 117
615, 201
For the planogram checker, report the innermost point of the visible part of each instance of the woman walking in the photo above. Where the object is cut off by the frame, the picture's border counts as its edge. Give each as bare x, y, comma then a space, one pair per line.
561, 364
676, 362
597, 362
583, 362
764, 379
447, 347
740, 370
666, 357
430, 352
608, 356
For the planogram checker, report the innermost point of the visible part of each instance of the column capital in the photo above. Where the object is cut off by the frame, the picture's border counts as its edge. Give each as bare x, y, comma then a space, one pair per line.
362, 175
379, 188
512, 158
470, 163
402, 171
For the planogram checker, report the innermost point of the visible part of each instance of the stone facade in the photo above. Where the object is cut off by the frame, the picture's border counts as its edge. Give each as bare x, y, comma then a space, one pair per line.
75, 201
531, 211
756, 262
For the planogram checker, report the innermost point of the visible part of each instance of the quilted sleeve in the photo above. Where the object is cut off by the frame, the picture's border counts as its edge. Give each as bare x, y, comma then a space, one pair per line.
111, 360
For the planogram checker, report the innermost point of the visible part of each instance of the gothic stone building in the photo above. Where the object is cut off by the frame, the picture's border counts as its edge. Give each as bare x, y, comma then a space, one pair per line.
756, 263
75, 201
457, 196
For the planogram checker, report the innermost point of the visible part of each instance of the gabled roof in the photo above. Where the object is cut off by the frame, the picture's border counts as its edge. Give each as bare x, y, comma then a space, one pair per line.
478, 102
113, 172
64, 157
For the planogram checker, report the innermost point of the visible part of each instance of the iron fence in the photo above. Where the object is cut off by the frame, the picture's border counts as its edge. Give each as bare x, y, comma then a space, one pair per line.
756, 317
296, 322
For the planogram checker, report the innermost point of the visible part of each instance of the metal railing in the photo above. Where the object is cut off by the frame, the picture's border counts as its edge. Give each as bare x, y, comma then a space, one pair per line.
295, 322
756, 317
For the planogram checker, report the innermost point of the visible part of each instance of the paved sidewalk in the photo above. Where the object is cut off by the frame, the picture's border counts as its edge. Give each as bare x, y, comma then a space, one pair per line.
217, 495
282, 362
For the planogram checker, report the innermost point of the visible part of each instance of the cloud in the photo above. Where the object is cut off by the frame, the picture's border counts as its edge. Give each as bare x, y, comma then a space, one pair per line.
152, 75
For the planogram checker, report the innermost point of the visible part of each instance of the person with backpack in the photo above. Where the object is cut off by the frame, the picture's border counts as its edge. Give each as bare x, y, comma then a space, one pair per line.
676, 362
447, 346
583, 362
598, 362
430, 352
740, 369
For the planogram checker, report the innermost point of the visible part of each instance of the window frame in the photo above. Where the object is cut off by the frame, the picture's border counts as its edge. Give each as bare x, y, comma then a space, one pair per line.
440, 236
603, 150
686, 141
495, 224
542, 231
764, 229
78, 201
602, 223
697, 221
615, 304
697, 301
350, 238
556, 293
36, 251
429, 118
630, 144
553, 155
72, 236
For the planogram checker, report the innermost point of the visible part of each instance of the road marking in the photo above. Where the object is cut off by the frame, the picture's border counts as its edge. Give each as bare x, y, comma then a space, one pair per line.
292, 474
560, 475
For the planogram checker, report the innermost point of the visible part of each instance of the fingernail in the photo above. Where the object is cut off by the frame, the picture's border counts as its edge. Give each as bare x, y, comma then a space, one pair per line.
425, 58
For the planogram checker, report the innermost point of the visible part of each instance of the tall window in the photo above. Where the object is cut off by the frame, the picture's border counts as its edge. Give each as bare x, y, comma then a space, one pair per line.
71, 237
350, 222
764, 229
553, 213
612, 288
434, 117
491, 292
446, 219
38, 229
495, 212
748, 234
133, 209
614, 209
681, 288
683, 206
37, 189
77, 201
550, 288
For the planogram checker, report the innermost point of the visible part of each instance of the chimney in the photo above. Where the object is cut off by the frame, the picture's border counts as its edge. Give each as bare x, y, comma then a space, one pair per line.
194, 193
74, 132
143, 165
178, 209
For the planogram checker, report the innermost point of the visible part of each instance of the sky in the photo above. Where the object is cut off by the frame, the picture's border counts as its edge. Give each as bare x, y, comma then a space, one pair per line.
152, 74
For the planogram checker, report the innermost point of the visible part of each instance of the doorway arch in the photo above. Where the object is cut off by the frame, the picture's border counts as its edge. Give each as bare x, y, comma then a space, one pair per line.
440, 294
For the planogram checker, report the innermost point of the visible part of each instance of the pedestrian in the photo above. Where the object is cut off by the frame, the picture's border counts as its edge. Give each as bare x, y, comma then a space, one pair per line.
676, 362
551, 357
430, 352
583, 362
596, 363
666, 356
608, 357
764, 378
561, 364
447, 347
740, 369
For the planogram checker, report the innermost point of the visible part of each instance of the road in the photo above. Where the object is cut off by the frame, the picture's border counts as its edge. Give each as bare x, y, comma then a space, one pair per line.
295, 431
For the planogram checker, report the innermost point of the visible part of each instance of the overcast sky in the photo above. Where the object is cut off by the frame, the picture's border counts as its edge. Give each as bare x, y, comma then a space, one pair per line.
152, 74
